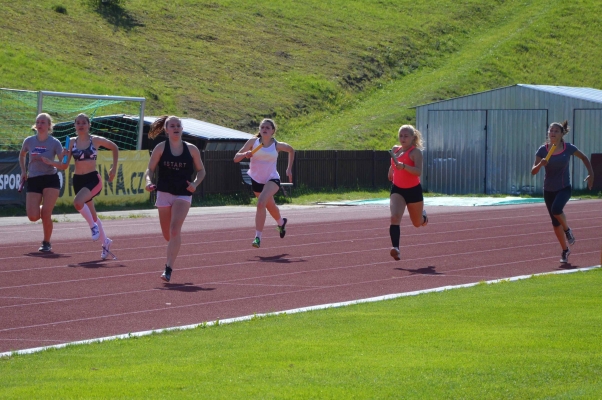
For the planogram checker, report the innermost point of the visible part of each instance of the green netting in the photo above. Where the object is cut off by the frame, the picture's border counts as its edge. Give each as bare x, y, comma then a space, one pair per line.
16, 117
116, 120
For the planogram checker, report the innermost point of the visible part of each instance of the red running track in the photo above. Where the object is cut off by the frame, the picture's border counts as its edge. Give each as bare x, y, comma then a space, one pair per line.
329, 254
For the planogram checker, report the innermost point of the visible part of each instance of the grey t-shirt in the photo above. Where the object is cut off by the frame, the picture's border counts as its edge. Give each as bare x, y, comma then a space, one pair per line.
48, 148
557, 171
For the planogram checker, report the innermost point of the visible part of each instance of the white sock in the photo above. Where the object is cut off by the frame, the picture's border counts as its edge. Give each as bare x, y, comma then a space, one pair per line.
280, 221
258, 234
102, 236
87, 214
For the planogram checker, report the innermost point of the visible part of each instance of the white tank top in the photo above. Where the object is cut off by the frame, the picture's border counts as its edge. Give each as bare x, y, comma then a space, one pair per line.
263, 163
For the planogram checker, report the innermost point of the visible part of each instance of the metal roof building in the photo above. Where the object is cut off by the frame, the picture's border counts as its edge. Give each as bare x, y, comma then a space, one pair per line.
123, 129
486, 142
204, 135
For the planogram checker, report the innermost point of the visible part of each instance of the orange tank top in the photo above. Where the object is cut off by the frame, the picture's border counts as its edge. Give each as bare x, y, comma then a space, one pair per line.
401, 177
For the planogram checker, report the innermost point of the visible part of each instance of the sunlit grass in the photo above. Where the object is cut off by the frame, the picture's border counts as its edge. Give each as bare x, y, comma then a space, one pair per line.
336, 75
536, 338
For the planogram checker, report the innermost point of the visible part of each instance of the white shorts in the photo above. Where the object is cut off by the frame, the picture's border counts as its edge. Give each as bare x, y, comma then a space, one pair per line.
165, 199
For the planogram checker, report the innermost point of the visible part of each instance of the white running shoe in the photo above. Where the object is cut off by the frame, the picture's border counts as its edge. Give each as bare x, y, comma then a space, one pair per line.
564, 258
106, 249
395, 253
95, 232
425, 219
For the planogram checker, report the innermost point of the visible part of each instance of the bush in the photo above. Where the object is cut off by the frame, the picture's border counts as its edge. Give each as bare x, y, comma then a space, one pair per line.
60, 9
105, 3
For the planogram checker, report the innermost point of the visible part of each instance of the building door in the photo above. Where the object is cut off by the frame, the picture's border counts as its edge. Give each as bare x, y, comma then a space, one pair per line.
513, 137
455, 152
587, 136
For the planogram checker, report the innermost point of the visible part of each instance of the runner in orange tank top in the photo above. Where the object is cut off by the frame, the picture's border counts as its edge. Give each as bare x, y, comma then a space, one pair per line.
406, 190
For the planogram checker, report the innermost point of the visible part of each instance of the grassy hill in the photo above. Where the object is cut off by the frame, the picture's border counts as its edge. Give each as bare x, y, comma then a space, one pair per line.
336, 74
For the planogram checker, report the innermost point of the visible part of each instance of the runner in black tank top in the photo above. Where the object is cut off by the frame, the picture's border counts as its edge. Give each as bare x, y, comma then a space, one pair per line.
175, 184
175, 171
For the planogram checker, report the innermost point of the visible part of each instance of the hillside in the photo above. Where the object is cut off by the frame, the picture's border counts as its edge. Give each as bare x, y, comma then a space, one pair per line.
338, 74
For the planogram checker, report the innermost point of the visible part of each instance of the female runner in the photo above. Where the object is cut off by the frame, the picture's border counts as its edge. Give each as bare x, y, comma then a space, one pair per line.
87, 182
177, 161
264, 176
406, 190
43, 182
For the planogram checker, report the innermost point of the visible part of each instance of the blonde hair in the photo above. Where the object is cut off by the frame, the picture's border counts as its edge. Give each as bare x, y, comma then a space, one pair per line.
417, 141
48, 118
271, 122
158, 126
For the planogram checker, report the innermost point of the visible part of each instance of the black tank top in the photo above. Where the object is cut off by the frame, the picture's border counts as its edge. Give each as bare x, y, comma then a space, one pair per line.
175, 171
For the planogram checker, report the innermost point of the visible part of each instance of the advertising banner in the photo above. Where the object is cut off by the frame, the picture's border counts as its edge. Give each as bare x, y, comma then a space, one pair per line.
128, 185
10, 179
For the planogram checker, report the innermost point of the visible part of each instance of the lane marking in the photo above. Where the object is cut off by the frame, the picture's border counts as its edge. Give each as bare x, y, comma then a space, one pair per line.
292, 311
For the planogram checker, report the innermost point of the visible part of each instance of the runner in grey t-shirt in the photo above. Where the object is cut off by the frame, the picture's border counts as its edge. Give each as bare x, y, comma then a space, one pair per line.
37, 148
43, 183
557, 183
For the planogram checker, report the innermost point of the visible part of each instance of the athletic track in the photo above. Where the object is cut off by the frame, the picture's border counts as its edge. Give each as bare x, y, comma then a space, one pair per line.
330, 254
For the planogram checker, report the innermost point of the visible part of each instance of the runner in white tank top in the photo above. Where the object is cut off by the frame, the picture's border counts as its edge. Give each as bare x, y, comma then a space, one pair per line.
264, 176
263, 163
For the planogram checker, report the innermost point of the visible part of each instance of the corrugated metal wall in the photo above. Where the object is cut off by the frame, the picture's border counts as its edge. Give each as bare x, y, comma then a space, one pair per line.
512, 137
587, 136
456, 145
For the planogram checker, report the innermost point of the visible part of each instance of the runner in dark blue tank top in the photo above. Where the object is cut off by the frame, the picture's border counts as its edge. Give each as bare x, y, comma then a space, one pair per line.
557, 181
177, 162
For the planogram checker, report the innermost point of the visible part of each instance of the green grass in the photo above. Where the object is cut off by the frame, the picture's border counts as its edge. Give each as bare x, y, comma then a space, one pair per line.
336, 75
536, 338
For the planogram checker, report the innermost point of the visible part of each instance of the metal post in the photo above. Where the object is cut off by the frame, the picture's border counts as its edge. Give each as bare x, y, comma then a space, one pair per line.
40, 101
141, 125
336, 168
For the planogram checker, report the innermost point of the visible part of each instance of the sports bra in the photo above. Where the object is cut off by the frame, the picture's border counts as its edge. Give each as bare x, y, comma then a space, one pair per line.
88, 153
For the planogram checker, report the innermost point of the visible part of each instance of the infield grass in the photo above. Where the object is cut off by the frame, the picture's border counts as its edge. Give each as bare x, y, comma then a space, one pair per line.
535, 338
342, 74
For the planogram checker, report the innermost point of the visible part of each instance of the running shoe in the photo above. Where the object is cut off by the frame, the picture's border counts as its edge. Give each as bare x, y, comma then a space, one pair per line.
256, 242
166, 276
45, 247
106, 249
564, 258
395, 253
282, 229
569, 236
95, 232
425, 219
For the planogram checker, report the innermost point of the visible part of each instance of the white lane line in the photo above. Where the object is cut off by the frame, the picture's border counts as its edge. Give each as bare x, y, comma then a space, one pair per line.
292, 311
381, 237
591, 214
257, 261
302, 288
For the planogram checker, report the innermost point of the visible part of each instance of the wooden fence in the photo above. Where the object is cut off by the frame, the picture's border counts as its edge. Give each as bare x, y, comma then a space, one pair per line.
313, 169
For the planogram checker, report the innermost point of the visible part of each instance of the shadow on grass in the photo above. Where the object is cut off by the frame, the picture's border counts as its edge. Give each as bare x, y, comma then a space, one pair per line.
185, 287
278, 259
116, 15
49, 255
430, 270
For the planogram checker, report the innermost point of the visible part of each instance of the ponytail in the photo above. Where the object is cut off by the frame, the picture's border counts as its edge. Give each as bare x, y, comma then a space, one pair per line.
157, 127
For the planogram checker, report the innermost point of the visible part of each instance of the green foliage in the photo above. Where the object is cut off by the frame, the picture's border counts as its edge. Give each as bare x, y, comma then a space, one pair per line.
536, 338
59, 9
336, 75
104, 3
